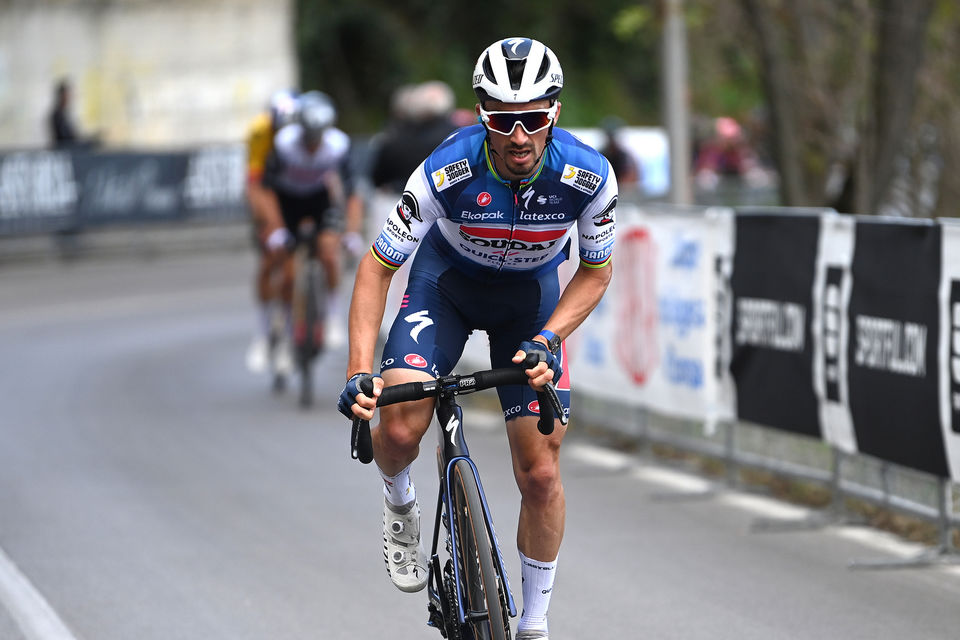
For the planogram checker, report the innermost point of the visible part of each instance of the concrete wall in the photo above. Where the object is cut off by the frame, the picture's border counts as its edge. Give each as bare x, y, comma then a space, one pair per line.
145, 73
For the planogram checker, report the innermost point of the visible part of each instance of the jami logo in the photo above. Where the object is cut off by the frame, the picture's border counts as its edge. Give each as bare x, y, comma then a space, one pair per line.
415, 360
484, 198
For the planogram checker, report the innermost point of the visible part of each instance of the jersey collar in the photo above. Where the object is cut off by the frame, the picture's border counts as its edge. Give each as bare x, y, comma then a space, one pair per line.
509, 183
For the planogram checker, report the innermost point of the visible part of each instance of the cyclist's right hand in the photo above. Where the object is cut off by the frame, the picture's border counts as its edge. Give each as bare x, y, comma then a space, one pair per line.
353, 403
279, 240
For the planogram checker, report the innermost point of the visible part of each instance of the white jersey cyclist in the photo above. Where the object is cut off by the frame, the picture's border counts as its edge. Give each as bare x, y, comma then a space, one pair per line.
298, 170
485, 225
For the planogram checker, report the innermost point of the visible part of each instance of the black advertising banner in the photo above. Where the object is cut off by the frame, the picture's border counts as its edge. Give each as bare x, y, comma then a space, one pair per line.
215, 183
774, 267
38, 192
894, 319
130, 186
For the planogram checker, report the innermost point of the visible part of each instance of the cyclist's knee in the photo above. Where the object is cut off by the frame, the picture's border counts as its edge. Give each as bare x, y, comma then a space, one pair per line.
540, 481
400, 435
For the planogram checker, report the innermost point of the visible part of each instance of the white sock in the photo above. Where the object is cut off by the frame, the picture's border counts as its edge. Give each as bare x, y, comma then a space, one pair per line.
398, 489
537, 583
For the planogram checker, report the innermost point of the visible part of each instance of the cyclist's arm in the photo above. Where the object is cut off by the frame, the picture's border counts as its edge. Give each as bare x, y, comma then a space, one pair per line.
579, 298
366, 313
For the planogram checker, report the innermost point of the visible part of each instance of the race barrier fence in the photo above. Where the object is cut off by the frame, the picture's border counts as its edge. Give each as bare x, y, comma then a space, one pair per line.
840, 329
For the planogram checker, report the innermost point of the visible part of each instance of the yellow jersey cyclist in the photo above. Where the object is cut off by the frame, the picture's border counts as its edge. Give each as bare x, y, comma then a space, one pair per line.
267, 224
309, 171
490, 214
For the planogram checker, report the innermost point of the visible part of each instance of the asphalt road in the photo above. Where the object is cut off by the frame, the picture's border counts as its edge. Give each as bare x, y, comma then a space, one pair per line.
152, 488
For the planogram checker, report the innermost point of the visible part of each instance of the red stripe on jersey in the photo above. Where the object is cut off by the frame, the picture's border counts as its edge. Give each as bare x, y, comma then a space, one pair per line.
528, 235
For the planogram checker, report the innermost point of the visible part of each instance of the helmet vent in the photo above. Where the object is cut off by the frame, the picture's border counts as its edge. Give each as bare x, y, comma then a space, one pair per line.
544, 67
515, 72
488, 69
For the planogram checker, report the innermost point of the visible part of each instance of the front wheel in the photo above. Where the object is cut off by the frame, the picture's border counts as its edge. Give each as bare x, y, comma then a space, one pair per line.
484, 599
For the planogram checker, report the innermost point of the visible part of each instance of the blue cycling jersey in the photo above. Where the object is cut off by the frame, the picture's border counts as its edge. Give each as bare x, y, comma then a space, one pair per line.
486, 226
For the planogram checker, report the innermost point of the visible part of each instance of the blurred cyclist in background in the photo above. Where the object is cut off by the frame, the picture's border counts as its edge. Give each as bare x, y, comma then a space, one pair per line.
309, 171
421, 117
269, 233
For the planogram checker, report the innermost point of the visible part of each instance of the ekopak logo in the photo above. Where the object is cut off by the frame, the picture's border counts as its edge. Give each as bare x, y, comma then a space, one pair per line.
415, 360
534, 407
484, 199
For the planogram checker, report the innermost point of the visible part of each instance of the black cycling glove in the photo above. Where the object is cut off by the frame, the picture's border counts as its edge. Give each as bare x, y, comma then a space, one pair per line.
553, 362
350, 392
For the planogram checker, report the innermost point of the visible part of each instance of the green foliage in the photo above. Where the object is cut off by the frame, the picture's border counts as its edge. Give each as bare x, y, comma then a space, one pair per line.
361, 51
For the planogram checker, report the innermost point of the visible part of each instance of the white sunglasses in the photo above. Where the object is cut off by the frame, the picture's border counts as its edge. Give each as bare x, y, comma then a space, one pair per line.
504, 122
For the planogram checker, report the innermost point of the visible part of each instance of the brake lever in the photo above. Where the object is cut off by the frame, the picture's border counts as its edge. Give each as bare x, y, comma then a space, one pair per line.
361, 446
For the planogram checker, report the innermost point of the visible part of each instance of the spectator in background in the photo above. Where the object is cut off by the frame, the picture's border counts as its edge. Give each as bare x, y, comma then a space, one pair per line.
63, 133
421, 117
726, 155
621, 161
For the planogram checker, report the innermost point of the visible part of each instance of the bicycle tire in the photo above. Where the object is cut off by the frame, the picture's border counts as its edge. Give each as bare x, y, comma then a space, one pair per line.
307, 347
481, 585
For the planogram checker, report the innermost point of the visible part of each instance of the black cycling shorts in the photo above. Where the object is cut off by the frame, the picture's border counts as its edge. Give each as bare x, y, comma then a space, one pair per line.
296, 208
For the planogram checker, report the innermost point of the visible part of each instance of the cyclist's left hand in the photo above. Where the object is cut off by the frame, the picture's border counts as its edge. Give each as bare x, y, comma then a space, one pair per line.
547, 370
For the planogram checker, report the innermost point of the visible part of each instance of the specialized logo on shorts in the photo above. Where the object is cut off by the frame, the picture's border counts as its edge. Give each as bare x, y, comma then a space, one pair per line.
534, 407
455, 172
421, 319
484, 198
408, 209
580, 179
415, 360
606, 216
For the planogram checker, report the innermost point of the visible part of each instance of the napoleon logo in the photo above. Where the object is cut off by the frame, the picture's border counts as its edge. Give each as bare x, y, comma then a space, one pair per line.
408, 209
605, 217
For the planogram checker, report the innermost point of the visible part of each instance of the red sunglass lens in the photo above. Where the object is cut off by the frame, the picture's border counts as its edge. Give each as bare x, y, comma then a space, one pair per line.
530, 120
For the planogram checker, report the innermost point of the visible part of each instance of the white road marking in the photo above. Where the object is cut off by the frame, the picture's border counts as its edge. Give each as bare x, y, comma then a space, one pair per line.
36, 619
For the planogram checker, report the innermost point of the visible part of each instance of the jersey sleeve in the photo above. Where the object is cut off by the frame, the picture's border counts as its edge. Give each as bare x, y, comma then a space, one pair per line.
259, 145
597, 225
408, 223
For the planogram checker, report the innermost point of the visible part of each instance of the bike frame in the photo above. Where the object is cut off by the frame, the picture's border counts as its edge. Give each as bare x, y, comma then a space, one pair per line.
453, 447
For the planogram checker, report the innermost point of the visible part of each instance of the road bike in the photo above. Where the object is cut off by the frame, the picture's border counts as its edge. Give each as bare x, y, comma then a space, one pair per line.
309, 307
468, 592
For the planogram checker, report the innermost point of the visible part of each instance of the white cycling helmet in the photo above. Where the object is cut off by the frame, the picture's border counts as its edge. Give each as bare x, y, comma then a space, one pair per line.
316, 113
283, 108
517, 70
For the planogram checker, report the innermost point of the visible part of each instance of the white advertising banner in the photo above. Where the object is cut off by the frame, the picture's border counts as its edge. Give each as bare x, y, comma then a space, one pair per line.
831, 330
949, 345
652, 341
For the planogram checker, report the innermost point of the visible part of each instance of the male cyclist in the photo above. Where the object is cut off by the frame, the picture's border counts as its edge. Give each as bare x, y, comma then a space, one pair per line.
270, 234
309, 172
490, 213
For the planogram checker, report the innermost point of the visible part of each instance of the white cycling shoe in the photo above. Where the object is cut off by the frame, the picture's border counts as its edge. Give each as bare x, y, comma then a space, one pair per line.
283, 357
258, 355
531, 634
403, 552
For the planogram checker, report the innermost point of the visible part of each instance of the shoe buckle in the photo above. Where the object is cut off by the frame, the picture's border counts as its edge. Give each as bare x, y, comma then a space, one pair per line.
396, 527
